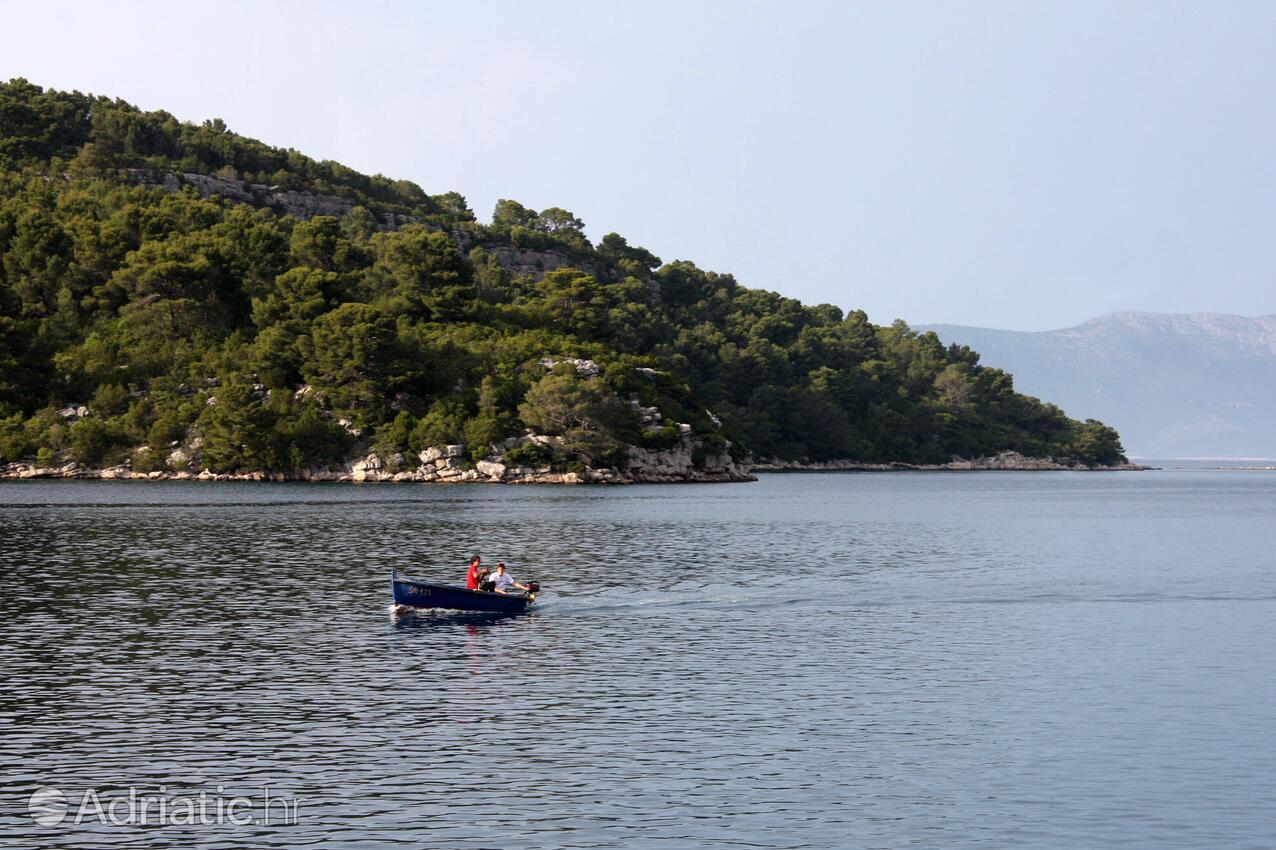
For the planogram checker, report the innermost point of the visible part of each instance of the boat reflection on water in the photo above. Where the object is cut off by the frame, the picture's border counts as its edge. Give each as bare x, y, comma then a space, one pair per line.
436, 619
480, 631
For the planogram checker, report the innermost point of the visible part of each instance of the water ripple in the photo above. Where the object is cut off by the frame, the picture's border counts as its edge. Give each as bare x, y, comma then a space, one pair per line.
812, 661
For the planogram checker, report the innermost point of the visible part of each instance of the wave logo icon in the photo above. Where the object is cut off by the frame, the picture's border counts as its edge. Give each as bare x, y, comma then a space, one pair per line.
47, 806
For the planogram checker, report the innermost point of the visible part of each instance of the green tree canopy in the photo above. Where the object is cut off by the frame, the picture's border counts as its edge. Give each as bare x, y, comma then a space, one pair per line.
584, 412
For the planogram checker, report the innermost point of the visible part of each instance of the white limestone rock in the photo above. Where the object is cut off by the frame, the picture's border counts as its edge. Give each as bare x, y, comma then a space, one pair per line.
491, 469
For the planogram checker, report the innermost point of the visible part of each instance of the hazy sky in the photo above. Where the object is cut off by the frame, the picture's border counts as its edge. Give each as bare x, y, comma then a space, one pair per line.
1018, 165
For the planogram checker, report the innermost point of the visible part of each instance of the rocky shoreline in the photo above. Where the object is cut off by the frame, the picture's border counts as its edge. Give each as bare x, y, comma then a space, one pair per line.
444, 465
21, 471
438, 465
1001, 462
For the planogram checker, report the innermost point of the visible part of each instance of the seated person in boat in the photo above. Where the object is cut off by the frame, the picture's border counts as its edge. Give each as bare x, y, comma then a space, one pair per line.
472, 575
502, 581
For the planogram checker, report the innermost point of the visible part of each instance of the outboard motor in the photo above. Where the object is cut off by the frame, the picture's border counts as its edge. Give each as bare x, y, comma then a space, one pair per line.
533, 588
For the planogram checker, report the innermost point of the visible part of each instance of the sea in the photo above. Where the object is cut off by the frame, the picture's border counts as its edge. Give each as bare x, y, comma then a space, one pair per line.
840, 660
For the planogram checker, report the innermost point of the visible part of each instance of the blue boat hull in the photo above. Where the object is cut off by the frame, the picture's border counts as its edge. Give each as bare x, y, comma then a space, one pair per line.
420, 594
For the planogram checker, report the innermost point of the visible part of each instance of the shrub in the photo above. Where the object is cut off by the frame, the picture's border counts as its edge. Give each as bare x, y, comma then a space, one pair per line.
93, 440
396, 437
150, 460
109, 400
14, 440
169, 428
530, 454
666, 437
442, 425
481, 432
304, 436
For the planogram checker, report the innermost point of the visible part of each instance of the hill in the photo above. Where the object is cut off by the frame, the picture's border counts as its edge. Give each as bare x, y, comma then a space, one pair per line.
179, 297
1195, 385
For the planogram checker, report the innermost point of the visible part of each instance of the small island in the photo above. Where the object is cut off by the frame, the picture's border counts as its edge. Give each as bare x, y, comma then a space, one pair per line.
180, 301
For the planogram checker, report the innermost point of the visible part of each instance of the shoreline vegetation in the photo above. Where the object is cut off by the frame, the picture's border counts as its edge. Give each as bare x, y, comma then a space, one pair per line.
180, 301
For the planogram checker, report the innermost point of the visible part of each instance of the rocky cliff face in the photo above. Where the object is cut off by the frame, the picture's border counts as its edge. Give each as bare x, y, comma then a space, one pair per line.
525, 261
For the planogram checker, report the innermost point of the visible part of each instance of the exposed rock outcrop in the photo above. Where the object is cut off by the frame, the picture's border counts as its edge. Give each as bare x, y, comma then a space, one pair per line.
535, 263
584, 368
519, 262
678, 463
303, 205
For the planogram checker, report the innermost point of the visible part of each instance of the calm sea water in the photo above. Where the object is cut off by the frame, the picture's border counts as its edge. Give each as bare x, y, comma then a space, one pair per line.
1004, 660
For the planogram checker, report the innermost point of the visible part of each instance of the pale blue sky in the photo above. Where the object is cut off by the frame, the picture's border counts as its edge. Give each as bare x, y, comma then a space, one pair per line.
1018, 165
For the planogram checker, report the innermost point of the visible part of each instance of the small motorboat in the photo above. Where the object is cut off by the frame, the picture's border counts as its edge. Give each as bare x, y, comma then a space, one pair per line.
424, 594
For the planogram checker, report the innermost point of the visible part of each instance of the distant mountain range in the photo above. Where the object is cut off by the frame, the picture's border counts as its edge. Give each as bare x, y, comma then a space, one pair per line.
1174, 385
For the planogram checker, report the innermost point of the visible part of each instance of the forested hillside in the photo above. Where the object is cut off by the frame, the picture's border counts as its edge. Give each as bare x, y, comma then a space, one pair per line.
139, 314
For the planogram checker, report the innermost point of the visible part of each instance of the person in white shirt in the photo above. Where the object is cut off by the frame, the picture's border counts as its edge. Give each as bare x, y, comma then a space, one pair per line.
502, 581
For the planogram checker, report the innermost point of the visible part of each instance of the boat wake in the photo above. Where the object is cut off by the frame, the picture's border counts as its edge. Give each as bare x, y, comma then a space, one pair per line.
610, 601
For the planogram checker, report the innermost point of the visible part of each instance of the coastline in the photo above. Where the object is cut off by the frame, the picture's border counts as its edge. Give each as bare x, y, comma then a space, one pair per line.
516, 476
1002, 462
371, 470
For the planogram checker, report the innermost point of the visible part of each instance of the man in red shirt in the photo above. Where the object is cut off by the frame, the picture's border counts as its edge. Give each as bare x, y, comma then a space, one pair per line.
472, 577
